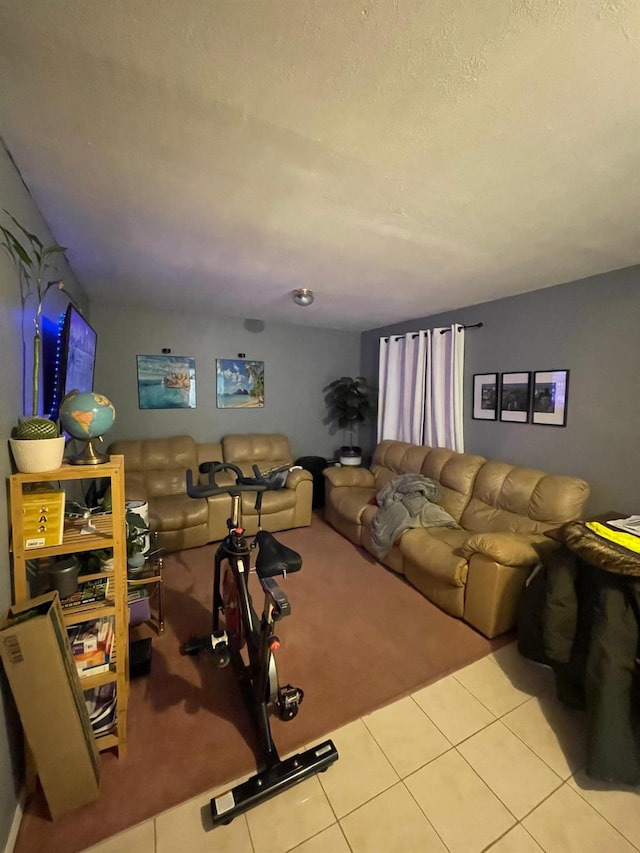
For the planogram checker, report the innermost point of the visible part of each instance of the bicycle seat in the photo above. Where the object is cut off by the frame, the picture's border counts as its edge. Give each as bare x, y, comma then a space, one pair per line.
274, 558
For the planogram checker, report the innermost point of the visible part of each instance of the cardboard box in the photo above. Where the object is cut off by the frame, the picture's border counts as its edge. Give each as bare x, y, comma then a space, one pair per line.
43, 517
37, 659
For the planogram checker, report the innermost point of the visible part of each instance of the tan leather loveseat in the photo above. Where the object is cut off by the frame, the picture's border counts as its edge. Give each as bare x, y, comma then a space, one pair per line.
476, 572
155, 472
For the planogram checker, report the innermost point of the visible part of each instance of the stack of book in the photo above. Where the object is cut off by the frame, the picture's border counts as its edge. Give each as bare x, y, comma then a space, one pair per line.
93, 646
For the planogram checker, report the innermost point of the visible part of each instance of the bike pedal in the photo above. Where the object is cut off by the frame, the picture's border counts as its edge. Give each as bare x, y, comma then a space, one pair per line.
220, 648
289, 700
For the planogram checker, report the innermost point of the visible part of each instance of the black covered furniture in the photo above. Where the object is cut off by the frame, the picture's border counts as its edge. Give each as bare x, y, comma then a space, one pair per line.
588, 597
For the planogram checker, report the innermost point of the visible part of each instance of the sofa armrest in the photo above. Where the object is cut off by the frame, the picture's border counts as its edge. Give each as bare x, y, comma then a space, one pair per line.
509, 549
350, 475
294, 478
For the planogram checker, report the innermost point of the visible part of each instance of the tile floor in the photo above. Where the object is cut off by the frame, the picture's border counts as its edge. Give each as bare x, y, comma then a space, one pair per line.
485, 759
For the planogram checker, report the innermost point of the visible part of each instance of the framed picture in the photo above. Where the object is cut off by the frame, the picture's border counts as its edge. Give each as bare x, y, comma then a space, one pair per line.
485, 396
166, 382
239, 383
550, 389
515, 390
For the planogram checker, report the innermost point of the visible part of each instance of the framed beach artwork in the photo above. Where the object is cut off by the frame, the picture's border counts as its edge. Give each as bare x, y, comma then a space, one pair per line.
515, 391
166, 382
239, 383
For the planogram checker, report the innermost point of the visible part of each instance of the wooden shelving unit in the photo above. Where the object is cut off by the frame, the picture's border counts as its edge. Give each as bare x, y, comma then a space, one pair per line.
110, 533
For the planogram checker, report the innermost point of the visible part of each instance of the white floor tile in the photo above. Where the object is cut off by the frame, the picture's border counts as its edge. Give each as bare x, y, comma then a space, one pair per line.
290, 818
392, 822
517, 840
464, 812
556, 734
491, 685
140, 838
619, 804
188, 827
516, 775
565, 823
453, 709
330, 840
406, 735
361, 772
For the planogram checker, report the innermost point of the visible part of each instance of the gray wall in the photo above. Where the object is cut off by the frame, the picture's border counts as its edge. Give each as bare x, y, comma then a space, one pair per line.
589, 327
15, 198
299, 362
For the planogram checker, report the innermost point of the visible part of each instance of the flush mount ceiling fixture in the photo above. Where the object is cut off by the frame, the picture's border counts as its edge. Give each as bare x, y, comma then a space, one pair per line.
302, 296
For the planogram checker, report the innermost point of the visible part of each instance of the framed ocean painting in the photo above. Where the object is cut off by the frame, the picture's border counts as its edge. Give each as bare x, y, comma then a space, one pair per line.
166, 382
239, 383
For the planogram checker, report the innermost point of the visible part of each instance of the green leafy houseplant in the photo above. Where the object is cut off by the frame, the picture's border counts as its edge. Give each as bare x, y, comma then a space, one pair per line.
348, 404
32, 260
136, 543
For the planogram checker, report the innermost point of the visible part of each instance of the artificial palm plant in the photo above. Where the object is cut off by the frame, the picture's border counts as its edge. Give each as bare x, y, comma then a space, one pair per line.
349, 404
32, 260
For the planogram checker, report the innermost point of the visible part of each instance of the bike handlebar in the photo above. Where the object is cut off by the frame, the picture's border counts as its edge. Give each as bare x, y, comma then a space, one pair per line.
242, 484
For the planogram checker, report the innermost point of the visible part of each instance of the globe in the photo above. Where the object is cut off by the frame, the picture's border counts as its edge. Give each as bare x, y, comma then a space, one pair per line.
86, 415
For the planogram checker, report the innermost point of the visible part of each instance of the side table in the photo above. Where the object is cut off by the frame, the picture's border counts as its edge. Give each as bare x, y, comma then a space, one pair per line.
151, 576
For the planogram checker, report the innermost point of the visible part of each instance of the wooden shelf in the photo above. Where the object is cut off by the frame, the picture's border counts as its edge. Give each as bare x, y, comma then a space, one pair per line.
109, 533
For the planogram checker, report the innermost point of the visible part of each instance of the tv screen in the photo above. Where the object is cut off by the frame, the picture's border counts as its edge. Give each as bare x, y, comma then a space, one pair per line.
75, 358
80, 352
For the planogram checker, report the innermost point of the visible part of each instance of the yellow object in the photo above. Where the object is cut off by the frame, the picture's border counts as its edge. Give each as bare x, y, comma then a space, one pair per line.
627, 540
43, 517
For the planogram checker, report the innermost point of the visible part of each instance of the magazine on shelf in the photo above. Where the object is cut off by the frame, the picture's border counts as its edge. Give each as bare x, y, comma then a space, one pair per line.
631, 524
88, 592
102, 707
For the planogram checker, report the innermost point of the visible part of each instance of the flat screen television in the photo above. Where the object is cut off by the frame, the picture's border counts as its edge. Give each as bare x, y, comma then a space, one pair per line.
74, 360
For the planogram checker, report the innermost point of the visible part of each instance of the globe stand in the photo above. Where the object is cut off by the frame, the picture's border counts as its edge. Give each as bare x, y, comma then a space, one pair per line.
90, 455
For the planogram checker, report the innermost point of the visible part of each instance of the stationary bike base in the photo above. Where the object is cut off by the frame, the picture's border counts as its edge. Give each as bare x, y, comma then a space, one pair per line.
272, 781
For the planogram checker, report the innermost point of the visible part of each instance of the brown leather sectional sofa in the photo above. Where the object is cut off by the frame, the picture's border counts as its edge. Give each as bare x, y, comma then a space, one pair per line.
155, 471
476, 572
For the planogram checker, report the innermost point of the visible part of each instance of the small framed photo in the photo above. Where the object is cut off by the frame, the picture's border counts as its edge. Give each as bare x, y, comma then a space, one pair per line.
485, 396
550, 389
515, 392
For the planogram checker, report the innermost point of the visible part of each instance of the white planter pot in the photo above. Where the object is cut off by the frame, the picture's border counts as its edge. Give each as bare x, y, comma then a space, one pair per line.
38, 455
350, 455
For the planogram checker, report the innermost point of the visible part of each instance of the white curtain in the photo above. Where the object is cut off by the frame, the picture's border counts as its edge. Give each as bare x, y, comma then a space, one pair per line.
402, 371
421, 388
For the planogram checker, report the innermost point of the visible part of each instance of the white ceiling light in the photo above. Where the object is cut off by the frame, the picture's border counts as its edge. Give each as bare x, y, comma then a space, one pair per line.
302, 296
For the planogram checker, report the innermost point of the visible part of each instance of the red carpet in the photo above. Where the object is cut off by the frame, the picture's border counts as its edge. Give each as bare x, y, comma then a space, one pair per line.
358, 638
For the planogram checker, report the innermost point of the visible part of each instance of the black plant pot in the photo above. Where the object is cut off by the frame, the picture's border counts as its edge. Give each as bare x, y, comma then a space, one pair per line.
350, 455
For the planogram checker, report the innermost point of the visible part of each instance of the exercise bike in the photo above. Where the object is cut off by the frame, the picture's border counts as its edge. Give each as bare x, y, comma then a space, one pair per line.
248, 641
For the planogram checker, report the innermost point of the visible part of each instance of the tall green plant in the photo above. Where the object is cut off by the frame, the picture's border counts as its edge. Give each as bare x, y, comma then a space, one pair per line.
31, 258
348, 402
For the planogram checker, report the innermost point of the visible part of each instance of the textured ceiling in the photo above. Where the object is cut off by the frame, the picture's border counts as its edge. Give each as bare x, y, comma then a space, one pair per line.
399, 158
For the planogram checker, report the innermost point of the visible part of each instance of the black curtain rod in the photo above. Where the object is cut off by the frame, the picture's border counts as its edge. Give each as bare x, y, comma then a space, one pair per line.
442, 331
471, 326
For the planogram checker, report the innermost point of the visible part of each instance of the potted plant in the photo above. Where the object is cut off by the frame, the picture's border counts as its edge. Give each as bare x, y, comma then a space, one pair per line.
348, 403
31, 443
137, 542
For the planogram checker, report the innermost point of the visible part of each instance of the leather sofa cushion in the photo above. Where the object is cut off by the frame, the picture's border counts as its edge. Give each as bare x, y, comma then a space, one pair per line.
275, 501
156, 466
439, 548
456, 473
506, 498
175, 512
399, 457
266, 450
510, 549
351, 502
